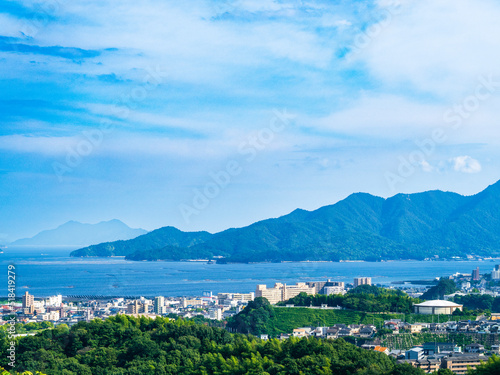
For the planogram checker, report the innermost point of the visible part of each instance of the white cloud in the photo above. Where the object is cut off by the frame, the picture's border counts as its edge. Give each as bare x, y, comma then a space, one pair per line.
185, 35
466, 164
386, 116
437, 46
10, 26
426, 167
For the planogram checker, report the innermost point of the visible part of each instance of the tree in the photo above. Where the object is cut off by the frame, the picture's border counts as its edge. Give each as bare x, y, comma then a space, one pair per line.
444, 371
445, 286
495, 306
407, 369
492, 367
476, 301
253, 319
141, 346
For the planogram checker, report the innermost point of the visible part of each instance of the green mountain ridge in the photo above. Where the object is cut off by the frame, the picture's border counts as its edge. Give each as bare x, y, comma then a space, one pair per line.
156, 239
362, 226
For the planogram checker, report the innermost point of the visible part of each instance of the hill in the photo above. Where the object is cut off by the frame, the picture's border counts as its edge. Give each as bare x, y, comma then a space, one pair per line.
78, 234
154, 240
362, 226
127, 345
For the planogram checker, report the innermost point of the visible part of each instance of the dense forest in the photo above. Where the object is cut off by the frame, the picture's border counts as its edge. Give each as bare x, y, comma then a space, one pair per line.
479, 302
124, 345
444, 287
140, 346
366, 298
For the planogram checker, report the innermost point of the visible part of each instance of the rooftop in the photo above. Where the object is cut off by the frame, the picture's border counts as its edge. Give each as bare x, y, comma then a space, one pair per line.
438, 303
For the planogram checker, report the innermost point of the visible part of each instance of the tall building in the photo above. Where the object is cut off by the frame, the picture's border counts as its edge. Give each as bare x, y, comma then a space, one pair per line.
235, 296
495, 274
475, 274
215, 313
362, 281
28, 300
28, 303
273, 295
331, 287
159, 306
134, 308
282, 292
328, 290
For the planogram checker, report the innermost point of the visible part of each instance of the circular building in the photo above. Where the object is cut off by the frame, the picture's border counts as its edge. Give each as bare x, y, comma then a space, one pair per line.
436, 307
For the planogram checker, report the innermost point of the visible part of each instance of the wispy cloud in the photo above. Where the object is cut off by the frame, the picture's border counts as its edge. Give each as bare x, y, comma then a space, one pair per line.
466, 164
8, 44
437, 55
224, 66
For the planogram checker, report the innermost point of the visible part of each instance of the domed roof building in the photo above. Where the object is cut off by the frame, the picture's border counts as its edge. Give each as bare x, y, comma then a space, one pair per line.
436, 307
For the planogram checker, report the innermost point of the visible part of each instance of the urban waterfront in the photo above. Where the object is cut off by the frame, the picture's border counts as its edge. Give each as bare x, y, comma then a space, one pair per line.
45, 272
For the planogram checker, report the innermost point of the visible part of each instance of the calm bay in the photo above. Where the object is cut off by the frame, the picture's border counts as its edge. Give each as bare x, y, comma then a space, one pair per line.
45, 272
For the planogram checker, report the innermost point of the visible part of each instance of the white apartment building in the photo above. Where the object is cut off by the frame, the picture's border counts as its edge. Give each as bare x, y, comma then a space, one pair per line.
334, 290
215, 313
282, 292
159, 305
495, 274
53, 300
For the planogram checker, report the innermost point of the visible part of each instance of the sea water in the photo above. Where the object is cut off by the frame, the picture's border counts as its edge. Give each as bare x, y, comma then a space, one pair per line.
45, 272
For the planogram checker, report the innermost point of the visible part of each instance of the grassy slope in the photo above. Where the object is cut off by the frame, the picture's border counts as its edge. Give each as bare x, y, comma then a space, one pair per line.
285, 319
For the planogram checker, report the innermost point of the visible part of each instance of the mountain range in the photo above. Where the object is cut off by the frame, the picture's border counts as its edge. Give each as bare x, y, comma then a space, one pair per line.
360, 227
77, 234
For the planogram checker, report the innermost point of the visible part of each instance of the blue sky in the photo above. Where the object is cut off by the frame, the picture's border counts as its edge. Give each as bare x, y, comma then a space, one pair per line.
207, 115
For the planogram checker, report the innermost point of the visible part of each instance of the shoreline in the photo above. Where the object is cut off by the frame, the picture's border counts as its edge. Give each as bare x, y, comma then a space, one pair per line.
218, 261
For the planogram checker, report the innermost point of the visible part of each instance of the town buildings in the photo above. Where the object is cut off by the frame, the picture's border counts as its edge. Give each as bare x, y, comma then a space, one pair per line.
282, 292
475, 274
215, 313
28, 303
159, 307
495, 274
362, 281
460, 363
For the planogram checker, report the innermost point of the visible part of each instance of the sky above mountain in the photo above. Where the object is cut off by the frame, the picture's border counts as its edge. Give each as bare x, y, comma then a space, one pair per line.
206, 115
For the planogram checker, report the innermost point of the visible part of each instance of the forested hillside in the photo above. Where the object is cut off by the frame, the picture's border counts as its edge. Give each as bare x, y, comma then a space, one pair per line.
124, 345
362, 226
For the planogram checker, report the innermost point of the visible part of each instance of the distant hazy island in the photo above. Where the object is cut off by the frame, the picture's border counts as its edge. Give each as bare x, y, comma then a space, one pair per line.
361, 227
78, 234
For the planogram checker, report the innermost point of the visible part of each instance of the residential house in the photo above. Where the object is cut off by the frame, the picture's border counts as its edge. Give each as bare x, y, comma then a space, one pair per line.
415, 328
381, 349
416, 354
332, 333
474, 348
